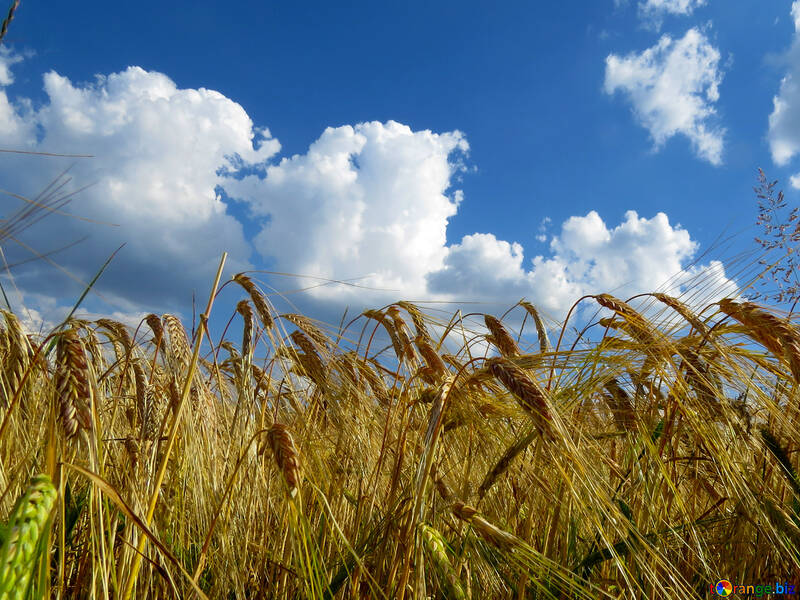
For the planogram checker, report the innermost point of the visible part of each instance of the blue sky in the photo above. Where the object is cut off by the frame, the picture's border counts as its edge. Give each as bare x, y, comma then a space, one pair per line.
443, 151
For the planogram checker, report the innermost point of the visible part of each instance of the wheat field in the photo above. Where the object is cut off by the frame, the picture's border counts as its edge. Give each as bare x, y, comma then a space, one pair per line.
402, 454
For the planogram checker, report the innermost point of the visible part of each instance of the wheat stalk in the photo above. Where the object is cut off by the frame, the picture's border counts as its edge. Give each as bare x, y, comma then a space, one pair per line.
621, 405
309, 358
639, 329
305, 324
417, 318
433, 361
19, 353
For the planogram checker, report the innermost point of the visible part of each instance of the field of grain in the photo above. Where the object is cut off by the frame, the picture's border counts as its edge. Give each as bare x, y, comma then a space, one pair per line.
401, 455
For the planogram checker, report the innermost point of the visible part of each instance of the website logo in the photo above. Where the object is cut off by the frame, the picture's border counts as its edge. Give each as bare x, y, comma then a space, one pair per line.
723, 587
782, 589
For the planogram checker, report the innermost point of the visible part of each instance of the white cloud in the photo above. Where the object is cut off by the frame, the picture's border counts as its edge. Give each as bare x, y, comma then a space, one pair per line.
653, 11
638, 255
370, 200
784, 122
157, 151
794, 180
672, 87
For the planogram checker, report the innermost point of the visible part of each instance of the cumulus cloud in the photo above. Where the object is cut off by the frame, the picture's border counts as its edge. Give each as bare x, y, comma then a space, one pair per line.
587, 256
653, 11
784, 121
672, 88
179, 170
158, 154
368, 201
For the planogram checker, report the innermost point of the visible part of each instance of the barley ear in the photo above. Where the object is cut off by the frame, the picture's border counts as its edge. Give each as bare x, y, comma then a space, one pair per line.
436, 547
72, 384
26, 526
259, 301
286, 456
500, 337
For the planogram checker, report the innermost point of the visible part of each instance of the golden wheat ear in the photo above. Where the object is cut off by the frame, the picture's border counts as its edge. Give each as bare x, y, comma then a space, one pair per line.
259, 301
72, 384
500, 337
286, 456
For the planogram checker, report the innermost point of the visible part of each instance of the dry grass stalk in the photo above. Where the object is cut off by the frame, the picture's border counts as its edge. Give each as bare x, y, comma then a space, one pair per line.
72, 384
286, 456
26, 524
259, 301
500, 337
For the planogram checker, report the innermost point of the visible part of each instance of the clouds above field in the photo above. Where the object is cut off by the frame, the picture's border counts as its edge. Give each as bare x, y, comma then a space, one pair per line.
587, 255
184, 173
672, 88
784, 121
